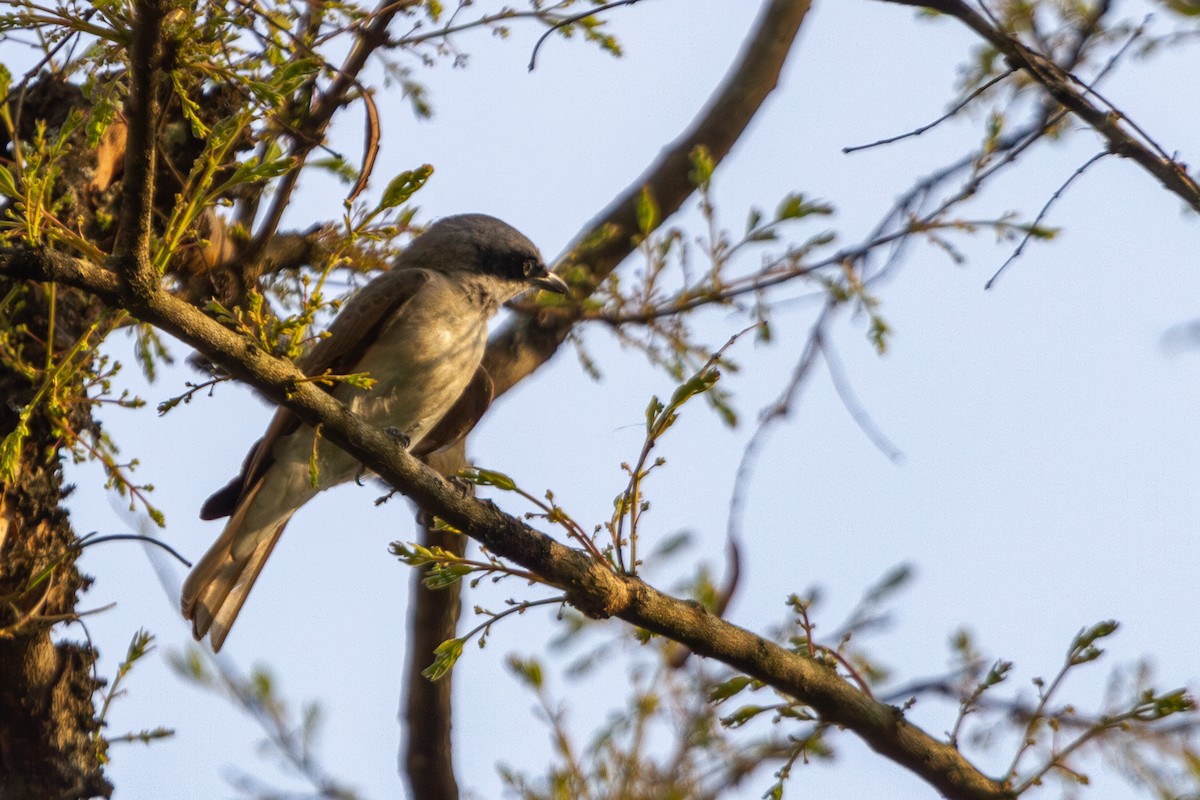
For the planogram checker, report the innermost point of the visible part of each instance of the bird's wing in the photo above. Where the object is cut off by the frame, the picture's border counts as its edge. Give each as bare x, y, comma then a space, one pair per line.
461, 417
354, 329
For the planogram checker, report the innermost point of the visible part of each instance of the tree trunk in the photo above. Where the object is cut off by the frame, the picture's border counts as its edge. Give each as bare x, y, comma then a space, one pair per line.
50, 743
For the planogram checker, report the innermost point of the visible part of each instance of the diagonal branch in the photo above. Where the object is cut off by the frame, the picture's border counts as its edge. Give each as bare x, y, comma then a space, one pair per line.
591, 585
1072, 95
530, 340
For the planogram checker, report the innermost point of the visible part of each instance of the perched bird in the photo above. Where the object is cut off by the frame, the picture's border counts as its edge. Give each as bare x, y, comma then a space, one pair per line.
419, 330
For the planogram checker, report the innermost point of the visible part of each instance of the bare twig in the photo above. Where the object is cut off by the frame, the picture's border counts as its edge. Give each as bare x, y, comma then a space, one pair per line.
571, 20
957, 107
1033, 226
1108, 122
779, 409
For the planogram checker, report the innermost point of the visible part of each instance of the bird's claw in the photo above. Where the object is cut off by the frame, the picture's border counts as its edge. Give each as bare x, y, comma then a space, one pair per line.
400, 436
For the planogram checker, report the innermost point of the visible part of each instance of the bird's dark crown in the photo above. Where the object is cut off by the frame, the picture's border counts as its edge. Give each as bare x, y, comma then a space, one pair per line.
477, 243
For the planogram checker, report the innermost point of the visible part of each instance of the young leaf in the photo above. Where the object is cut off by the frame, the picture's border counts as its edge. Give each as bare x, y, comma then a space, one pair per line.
487, 477
8, 186
404, 186
444, 658
700, 175
794, 206
647, 211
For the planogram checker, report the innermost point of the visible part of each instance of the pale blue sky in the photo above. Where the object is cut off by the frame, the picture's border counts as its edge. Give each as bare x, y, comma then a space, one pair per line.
1050, 442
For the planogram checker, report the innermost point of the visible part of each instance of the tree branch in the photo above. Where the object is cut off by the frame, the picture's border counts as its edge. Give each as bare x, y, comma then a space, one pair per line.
131, 252
1071, 94
591, 585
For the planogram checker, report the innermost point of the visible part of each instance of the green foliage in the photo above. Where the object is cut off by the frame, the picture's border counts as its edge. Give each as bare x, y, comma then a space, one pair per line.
8, 186
445, 656
404, 186
140, 646
647, 212
703, 166
487, 477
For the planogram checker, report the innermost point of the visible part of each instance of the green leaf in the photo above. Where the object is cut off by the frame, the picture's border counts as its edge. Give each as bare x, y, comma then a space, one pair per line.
1083, 649
528, 670
1187, 8
727, 689
652, 411
997, 673
891, 582
314, 469
444, 658
700, 175
261, 686
754, 219
742, 716
8, 186
404, 186
294, 73
487, 477
442, 576
10, 450
698, 383
646, 211
190, 108
794, 206
101, 116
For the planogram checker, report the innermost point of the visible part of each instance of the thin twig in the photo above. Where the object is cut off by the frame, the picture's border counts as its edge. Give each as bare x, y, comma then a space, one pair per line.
1033, 227
959, 106
565, 21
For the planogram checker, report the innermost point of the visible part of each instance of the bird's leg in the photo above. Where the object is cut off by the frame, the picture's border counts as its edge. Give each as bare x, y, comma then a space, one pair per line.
400, 436
425, 519
464, 486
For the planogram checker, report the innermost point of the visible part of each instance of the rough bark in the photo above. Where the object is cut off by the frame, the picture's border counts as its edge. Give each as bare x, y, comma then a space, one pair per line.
49, 737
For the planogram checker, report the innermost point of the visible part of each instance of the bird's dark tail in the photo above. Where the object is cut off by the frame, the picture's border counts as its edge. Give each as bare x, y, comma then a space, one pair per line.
218, 585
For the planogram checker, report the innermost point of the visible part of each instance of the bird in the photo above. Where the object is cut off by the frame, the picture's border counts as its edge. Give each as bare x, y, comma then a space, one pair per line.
419, 330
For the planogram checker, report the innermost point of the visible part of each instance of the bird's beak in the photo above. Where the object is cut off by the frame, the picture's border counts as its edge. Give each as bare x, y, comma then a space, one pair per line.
544, 279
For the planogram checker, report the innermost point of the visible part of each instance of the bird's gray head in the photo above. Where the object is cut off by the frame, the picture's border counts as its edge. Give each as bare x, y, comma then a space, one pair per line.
485, 245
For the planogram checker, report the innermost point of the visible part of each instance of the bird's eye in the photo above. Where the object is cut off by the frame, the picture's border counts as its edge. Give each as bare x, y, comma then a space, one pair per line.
531, 267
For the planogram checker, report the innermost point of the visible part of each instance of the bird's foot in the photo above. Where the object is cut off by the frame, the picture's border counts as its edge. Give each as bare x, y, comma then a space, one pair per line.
464, 486
400, 436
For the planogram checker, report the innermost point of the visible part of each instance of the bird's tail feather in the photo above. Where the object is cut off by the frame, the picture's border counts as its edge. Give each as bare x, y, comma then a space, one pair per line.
218, 585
